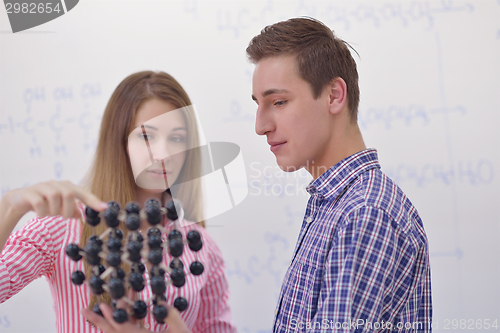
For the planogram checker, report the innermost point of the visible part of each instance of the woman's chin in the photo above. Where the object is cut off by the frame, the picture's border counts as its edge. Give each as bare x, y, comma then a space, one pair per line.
155, 186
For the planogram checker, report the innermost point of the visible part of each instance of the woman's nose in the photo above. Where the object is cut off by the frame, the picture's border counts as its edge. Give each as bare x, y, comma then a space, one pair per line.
161, 151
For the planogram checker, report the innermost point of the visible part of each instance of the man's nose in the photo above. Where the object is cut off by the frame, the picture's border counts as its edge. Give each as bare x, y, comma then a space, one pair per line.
264, 122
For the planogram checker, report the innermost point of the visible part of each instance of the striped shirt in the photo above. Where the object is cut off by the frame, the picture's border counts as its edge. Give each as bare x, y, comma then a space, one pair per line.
361, 263
38, 249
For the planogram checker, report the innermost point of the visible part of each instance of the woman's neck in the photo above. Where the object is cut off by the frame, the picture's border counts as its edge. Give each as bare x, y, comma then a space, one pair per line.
142, 195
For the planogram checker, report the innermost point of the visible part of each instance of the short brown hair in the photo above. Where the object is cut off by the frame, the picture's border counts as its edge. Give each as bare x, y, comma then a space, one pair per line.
320, 55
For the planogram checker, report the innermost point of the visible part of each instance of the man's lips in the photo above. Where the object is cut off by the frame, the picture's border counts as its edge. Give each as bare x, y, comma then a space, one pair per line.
275, 145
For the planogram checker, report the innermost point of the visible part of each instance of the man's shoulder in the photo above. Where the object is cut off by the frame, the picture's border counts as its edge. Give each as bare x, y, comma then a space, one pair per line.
374, 190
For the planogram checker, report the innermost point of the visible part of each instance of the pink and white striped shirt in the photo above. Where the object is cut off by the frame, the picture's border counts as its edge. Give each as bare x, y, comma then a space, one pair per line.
38, 249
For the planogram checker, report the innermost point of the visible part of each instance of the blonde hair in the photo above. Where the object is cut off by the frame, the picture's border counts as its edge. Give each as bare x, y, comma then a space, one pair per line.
111, 178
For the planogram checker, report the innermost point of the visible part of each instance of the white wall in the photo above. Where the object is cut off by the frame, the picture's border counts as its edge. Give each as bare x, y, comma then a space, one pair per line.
430, 86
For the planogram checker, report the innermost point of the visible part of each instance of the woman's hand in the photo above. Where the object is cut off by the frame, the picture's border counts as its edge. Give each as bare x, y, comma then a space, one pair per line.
52, 198
108, 325
45, 199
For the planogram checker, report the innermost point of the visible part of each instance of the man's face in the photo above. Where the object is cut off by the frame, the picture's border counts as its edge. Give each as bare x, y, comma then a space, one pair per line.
296, 125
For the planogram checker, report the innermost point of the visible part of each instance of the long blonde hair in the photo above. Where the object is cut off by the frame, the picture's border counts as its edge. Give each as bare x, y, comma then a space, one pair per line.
110, 176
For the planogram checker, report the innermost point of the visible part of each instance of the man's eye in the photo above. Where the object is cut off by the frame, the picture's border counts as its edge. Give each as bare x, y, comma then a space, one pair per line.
280, 103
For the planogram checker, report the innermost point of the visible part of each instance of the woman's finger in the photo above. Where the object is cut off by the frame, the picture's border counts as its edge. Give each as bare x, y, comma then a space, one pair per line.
126, 327
68, 207
36, 202
87, 198
52, 194
122, 304
97, 320
174, 320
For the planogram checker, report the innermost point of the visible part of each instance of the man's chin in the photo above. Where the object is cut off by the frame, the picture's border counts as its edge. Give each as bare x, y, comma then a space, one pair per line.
288, 167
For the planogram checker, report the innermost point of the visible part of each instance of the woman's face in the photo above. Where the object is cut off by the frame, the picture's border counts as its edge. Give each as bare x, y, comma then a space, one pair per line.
157, 145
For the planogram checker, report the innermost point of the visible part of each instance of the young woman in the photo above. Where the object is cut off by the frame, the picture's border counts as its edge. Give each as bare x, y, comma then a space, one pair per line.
149, 110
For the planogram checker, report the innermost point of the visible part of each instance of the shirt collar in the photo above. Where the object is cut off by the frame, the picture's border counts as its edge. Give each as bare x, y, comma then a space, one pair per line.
332, 182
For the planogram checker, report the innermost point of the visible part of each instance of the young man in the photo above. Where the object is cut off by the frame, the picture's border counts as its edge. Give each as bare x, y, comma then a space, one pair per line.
361, 263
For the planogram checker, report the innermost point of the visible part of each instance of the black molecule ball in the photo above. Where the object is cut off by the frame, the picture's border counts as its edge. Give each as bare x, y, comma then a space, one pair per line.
153, 231
96, 240
96, 309
96, 284
136, 281
153, 214
172, 211
152, 202
175, 247
111, 216
196, 268
160, 313
194, 240
140, 309
73, 251
120, 316
178, 277
132, 207
138, 267
114, 244
92, 254
117, 233
158, 285
175, 234
101, 269
180, 304
154, 242
119, 273
114, 258
155, 256
92, 217
116, 288
133, 221
89, 212
77, 277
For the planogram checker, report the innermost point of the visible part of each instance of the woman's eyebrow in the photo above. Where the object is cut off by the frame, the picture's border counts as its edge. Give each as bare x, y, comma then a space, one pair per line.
180, 129
150, 127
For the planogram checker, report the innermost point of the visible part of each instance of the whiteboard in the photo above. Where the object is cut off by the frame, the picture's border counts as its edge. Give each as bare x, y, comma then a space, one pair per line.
430, 104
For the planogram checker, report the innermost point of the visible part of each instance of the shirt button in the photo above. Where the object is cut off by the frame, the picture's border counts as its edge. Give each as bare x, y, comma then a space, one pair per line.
309, 219
146, 326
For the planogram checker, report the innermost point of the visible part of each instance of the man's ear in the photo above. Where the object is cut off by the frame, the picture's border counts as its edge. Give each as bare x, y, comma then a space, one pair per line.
337, 95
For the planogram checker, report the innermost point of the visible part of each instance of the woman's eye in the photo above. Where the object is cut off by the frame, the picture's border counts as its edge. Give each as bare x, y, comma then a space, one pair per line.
146, 137
177, 139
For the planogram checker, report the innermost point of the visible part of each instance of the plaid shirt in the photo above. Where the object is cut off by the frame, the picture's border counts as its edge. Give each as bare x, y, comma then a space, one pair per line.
361, 263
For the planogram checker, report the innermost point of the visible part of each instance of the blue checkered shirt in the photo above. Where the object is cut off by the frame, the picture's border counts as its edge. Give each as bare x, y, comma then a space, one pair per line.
361, 263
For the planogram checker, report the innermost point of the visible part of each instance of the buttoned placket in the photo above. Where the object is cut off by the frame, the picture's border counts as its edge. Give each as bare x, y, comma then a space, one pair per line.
315, 205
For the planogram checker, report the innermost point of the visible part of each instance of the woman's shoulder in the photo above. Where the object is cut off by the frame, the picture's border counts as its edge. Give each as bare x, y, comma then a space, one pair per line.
208, 242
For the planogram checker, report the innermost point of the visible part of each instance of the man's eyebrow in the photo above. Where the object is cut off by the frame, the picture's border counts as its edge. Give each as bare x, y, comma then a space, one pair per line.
272, 91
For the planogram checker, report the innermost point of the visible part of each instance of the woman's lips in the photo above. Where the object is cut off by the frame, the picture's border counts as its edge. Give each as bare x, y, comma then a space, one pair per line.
159, 174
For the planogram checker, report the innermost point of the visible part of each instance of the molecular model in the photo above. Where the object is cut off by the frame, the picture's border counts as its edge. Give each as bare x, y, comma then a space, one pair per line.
109, 246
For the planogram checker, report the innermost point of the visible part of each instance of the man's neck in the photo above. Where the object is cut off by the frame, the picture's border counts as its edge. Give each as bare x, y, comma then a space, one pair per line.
347, 142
